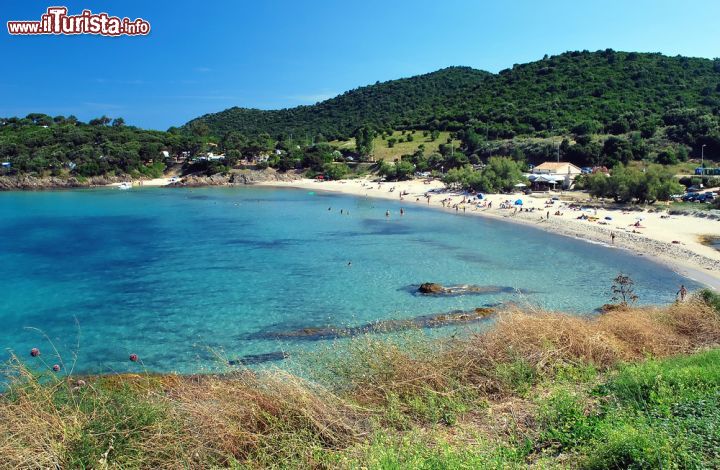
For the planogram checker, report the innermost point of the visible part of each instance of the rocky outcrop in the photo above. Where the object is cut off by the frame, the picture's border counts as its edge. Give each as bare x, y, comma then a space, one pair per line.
35, 183
431, 288
193, 181
236, 177
261, 176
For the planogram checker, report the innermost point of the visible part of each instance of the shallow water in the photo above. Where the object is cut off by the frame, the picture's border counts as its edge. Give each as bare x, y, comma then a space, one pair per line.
182, 277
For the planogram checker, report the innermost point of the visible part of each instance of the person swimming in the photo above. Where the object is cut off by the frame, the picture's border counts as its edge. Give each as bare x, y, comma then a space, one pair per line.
387, 213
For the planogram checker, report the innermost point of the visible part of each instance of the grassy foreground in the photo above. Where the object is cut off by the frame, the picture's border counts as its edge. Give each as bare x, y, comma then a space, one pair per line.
634, 388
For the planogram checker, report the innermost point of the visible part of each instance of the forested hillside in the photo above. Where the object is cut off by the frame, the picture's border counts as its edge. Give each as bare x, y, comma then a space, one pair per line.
404, 102
590, 108
40, 143
607, 91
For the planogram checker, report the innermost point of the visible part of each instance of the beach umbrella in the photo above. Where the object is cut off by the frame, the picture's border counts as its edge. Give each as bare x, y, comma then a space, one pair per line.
519, 202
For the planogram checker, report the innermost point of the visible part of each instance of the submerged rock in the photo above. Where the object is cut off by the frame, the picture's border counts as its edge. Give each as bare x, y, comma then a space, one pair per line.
252, 359
384, 326
431, 288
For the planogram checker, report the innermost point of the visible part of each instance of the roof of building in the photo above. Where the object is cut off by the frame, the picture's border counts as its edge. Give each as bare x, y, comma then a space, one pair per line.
555, 166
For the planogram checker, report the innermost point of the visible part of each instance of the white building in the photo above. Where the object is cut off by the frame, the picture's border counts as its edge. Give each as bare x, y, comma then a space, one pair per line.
557, 168
554, 173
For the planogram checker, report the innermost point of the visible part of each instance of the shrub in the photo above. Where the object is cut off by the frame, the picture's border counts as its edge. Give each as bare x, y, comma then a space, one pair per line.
629, 446
564, 422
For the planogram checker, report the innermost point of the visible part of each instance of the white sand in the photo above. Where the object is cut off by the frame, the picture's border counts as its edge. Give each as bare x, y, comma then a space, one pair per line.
146, 183
672, 240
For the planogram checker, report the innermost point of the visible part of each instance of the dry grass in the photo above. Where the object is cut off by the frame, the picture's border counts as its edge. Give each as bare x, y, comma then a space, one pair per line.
270, 415
33, 430
276, 418
546, 341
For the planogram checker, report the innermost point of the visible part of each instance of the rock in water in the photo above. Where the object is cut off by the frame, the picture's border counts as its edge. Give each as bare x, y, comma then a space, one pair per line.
431, 288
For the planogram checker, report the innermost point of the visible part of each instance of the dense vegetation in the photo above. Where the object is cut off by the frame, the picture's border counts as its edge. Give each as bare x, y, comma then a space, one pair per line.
39, 143
583, 93
501, 174
627, 184
632, 388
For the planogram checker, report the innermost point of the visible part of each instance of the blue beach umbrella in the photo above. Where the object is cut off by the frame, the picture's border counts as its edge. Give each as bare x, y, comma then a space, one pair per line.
519, 202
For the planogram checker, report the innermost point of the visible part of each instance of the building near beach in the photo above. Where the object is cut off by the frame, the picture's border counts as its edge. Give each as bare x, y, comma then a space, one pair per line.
554, 174
557, 168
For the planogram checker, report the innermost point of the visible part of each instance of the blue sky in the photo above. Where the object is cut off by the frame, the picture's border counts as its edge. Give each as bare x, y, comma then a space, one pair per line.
206, 56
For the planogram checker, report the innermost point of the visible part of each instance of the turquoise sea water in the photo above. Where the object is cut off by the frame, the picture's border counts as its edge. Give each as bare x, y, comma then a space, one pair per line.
179, 275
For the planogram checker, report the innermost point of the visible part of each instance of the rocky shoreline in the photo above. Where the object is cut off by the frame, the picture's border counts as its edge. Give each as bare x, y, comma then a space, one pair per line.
236, 177
40, 183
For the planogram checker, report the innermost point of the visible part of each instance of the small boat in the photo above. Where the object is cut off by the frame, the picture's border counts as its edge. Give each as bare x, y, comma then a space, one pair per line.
125, 185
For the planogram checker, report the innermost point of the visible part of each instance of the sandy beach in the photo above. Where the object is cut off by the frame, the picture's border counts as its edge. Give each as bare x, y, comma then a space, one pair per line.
673, 240
155, 182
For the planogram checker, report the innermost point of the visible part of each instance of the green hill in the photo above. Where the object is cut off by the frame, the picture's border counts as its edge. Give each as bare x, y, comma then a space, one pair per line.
609, 91
407, 102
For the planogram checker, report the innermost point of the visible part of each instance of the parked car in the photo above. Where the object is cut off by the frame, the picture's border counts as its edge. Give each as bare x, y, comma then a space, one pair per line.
698, 197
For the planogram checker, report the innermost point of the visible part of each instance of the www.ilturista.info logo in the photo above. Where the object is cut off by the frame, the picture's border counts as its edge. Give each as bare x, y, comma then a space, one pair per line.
57, 21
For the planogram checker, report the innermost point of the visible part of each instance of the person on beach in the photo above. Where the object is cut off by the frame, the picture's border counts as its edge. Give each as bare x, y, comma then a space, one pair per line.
682, 293
612, 238
548, 215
